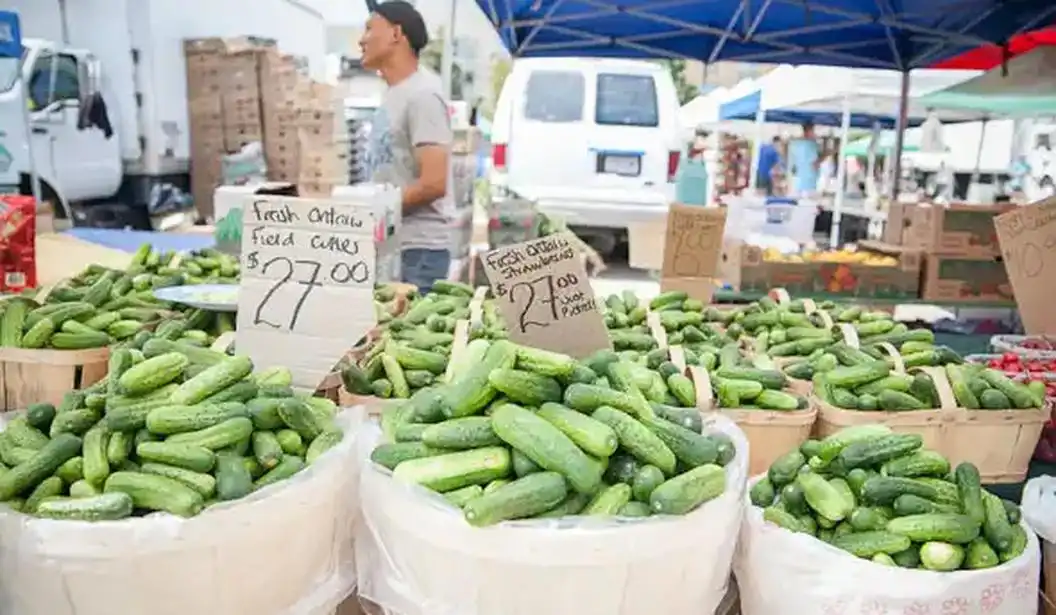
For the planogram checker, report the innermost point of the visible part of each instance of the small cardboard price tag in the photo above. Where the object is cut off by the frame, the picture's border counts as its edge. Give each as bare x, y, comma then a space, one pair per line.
544, 293
307, 289
692, 245
1028, 247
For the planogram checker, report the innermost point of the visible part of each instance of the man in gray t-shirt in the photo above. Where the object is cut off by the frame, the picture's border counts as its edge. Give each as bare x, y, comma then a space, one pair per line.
410, 144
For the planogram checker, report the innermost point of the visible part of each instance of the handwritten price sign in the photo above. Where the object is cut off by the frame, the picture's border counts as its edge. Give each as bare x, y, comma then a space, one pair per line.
306, 296
693, 241
545, 296
1028, 248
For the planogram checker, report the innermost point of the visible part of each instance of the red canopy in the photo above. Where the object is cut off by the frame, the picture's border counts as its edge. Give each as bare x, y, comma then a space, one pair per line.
990, 56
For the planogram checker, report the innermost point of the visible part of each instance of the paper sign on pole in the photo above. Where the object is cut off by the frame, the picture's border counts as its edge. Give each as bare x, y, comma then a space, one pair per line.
692, 246
545, 295
307, 290
1028, 246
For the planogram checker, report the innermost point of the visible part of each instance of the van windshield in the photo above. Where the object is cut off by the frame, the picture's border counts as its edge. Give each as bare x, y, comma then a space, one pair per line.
9, 71
554, 96
626, 100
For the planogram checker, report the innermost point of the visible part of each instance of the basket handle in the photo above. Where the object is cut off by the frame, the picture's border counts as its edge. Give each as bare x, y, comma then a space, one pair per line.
476, 305
809, 307
826, 320
176, 260
896, 356
702, 384
656, 329
850, 335
677, 356
780, 295
223, 342
947, 401
458, 346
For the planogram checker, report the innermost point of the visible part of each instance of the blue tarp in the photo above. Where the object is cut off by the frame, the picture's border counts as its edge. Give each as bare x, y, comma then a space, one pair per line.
129, 241
746, 107
10, 35
893, 34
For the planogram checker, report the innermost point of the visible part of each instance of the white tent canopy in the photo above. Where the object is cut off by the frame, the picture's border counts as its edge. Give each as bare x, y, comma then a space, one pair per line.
703, 109
827, 89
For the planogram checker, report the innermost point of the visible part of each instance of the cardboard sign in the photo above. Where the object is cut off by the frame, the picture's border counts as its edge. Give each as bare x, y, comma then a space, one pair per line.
545, 295
307, 291
1028, 247
693, 241
692, 246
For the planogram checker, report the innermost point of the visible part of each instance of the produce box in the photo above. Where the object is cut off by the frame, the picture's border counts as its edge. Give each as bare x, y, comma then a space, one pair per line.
965, 280
18, 264
882, 272
952, 230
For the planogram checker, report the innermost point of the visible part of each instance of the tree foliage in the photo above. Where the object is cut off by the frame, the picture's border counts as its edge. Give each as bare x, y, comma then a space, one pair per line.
686, 92
433, 58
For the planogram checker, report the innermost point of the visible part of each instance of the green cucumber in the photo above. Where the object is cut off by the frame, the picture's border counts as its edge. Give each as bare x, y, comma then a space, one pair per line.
524, 497
546, 445
687, 491
450, 471
594, 437
153, 492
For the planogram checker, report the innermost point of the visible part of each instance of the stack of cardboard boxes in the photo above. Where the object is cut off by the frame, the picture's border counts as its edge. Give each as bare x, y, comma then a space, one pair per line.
961, 250
243, 90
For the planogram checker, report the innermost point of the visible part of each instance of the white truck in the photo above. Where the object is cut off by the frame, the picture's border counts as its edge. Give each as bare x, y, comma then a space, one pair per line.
102, 163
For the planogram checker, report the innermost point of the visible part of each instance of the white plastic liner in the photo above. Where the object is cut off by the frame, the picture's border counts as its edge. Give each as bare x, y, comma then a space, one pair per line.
285, 550
417, 555
1039, 506
784, 573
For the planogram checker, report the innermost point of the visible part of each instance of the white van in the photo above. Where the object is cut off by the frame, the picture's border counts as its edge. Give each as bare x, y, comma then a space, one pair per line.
595, 142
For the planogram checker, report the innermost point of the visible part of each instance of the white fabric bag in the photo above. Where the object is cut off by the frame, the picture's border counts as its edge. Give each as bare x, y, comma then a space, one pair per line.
419, 557
785, 573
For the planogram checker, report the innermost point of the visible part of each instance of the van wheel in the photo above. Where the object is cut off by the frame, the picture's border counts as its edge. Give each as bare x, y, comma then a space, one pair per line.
601, 241
47, 194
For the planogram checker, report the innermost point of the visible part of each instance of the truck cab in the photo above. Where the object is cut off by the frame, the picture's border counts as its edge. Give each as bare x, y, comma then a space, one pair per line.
70, 135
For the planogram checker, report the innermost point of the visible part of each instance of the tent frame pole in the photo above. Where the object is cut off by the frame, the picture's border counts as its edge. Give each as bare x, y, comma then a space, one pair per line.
900, 134
753, 172
841, 173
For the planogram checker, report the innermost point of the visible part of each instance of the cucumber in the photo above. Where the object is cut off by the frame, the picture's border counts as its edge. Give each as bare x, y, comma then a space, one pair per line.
868, 544
785, 468
823, 497
39, 466
83, 489
152, 374
943, 527
204, 484
685, 417
463, 433
233, 479
298, 416
222, 435
326, 441
96, 461
546, 445
638, 439
998, 531
980, 555
524, 497
48, 488
645, 481
175, 419
941, 556
266, 449
291, 442
461, 497
909, 504
40, 416
153, 492
99, 507
525, 387
970, 490
450, 471
594, 437
587, 398
876, 451
919, 463
289, 466
634, 509
393, 454
762, 493
689, 447
188, 456
687, 491
608, 501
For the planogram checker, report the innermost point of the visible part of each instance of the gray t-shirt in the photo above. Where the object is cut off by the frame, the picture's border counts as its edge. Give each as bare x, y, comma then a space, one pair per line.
414, 113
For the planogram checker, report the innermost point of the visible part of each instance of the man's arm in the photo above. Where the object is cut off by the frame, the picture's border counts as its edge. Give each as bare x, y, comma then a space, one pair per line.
429, 129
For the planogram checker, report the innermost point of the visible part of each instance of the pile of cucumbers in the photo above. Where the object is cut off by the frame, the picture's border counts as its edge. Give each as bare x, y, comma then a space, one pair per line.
860, 382
518, 432
880, 496
174, 427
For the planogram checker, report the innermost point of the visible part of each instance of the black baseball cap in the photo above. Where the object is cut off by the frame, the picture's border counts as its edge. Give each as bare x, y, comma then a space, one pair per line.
403, 14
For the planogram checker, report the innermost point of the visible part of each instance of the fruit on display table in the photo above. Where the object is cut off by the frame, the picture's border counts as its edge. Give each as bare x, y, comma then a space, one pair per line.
525, 433
174, 427
880, 496
846, 256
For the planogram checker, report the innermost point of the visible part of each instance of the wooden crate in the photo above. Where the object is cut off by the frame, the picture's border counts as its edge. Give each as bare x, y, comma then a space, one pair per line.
32, 376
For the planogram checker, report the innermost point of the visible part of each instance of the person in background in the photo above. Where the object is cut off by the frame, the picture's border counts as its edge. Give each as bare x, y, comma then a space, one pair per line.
410, 143
769, 161
803, 162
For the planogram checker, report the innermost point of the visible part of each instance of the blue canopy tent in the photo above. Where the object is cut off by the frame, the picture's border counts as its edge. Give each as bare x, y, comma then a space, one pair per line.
888, 34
